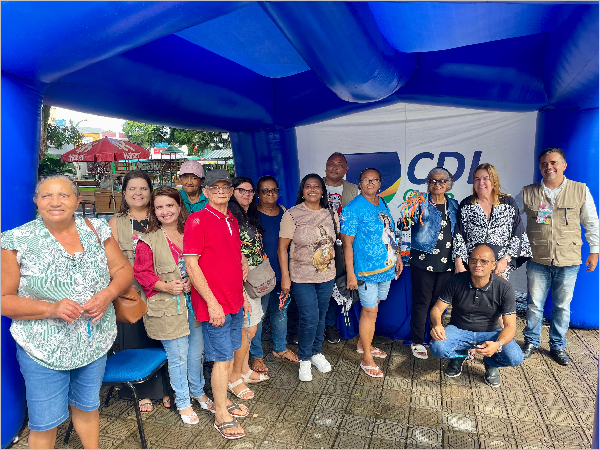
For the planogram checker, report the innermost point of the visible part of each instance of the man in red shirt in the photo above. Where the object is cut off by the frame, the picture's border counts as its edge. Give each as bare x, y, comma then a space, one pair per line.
217, 269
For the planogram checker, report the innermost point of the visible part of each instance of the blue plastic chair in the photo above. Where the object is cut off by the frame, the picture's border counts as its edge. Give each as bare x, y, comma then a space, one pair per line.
131, 367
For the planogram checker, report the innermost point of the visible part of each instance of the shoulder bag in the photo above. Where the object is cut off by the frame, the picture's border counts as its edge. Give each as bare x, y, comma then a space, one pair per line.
340, 263
261, 280
129, 306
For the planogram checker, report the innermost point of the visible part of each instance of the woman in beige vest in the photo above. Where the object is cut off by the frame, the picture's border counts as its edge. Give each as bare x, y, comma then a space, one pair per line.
160, 269
127, 227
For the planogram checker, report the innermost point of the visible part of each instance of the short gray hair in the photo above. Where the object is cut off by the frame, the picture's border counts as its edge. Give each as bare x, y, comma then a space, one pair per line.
443, 171
57, 176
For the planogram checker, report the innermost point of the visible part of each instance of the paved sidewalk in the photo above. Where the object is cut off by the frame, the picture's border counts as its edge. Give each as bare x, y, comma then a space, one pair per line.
539, 405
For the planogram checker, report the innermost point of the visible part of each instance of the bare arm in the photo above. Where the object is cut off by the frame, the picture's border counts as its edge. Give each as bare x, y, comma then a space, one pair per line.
435, 318
23, 308
113, 228
351, 280
215, 311
488, 348
282, 254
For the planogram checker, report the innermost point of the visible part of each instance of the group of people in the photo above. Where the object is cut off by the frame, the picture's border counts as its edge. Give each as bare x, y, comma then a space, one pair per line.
189, 252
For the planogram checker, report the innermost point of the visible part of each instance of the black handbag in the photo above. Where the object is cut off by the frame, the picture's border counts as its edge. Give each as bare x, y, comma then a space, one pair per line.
340, 263
344, 296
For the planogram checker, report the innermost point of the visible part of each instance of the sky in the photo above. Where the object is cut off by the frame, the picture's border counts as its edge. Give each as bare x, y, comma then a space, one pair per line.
90, 120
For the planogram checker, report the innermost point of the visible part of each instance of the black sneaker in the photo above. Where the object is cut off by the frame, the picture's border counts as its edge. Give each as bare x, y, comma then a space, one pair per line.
454, 368
332, 335
560, 356
492, 375
293, 339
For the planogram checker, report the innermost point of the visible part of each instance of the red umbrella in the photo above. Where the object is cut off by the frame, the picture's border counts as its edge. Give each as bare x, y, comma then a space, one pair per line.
105, 150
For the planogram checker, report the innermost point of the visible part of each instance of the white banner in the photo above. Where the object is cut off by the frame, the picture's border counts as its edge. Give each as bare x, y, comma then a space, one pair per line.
424, 137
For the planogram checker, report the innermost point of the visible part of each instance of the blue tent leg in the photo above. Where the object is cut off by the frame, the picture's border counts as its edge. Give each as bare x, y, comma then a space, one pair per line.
21, 110
269, 152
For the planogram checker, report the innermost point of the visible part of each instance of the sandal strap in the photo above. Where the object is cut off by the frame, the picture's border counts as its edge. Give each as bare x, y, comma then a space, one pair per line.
235, 383
224, 425
234, 406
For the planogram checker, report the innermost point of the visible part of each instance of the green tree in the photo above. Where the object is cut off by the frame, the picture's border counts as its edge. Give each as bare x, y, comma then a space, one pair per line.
199, 142
56, 135
145, 134
50, 164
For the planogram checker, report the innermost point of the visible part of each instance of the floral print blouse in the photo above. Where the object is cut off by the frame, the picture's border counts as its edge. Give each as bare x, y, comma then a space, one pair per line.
49, 273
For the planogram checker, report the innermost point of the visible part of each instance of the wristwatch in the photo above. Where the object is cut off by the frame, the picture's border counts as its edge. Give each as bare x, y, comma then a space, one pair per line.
499, 348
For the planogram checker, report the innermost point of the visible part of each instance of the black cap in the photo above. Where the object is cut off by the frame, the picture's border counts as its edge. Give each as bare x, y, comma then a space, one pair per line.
215, 175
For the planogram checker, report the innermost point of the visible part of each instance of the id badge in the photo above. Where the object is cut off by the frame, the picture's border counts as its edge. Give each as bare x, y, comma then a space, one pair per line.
544, 214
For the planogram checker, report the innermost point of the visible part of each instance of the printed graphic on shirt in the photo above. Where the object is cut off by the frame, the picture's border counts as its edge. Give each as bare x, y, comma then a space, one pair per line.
389, 238
323, 250
252, 247
335, 201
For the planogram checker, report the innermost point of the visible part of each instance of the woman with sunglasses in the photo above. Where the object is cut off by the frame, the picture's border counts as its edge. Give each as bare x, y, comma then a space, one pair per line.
432, 220
269, 214
243, 208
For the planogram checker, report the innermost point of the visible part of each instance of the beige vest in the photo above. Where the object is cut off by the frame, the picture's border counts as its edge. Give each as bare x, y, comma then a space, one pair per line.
558, 243
126, 245
167, 314
349, 191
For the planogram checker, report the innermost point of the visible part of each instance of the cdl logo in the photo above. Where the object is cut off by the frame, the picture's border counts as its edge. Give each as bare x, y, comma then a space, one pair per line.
443, 156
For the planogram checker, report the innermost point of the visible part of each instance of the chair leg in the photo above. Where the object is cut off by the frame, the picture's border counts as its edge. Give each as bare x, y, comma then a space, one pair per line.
138, 414
68, 435
109, 395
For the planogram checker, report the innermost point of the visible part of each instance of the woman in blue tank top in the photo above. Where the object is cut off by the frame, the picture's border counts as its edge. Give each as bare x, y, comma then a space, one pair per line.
270, 213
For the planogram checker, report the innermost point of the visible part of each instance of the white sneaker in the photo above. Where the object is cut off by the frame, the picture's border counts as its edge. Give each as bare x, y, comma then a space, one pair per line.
321, 363
305, 371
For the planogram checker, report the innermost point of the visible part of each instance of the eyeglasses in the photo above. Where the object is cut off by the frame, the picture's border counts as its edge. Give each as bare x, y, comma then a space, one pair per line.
442, 181
245, 191
269, 191
372, 181
215, 189
475, 261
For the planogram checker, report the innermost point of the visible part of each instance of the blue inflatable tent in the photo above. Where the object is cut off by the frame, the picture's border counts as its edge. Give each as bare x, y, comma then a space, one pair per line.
260, 69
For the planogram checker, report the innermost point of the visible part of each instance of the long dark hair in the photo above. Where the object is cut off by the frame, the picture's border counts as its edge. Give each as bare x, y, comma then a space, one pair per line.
323, 200
170, 192
252, 213
131, 175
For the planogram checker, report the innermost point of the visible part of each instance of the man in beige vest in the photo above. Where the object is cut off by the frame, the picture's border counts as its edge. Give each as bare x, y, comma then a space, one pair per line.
339, 193
556, 208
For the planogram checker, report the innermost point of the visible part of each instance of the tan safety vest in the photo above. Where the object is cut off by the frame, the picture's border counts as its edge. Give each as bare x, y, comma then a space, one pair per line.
167, 316
126, 245
558, 243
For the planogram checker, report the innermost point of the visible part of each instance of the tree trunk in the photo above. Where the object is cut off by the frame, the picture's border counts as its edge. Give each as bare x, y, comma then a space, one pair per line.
44, 137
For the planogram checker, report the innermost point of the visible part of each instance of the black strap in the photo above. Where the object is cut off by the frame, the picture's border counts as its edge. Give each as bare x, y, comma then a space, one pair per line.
333, 220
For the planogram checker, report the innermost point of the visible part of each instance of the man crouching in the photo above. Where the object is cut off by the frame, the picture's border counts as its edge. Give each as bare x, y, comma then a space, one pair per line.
478, 299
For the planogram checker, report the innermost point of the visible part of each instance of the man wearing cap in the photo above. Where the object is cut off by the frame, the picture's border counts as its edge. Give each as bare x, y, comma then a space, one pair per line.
216, 267
192, 175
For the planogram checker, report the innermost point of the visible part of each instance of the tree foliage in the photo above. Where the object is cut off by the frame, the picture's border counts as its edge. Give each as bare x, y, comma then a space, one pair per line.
50, 164
56, 135
198, 142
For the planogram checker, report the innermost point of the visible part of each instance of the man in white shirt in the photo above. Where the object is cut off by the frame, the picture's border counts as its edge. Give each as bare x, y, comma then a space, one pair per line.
339, 193
556, 208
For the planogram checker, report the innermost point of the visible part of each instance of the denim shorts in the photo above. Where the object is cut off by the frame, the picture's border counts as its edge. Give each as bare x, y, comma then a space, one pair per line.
370, 293
221, 342
49, 391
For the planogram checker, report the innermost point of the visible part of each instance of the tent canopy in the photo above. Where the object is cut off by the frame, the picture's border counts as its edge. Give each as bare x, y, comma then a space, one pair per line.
247, 66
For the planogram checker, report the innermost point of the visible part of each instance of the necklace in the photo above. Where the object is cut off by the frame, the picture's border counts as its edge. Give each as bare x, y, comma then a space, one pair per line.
145, 227
176, 242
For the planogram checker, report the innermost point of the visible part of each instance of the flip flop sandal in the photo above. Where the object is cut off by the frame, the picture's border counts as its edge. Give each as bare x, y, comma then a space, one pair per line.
258, 365
367, 368
286, 354
232, 424
243, 392
146, 404
235, 406
166, 403
376, 352
417, 349
248, 380
190, 419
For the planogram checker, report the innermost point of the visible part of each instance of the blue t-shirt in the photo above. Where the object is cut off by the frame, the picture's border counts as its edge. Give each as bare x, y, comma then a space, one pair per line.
271, 239
375, 243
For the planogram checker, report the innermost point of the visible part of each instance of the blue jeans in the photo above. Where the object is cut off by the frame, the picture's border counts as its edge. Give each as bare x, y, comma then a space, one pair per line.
278, 324
458, 342
332, 311
540, 279
185, 365
312, 300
